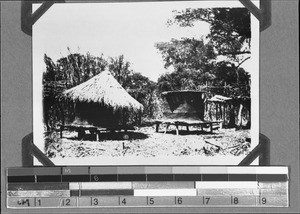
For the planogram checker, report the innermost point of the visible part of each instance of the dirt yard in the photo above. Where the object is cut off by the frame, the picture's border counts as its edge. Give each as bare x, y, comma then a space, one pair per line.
145, 142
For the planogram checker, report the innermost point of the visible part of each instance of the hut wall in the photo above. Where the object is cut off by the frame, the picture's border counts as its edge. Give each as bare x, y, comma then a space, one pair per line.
97, 115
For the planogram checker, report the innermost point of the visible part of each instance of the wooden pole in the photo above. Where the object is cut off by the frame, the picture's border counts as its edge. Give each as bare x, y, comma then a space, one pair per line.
216, 106
221, 113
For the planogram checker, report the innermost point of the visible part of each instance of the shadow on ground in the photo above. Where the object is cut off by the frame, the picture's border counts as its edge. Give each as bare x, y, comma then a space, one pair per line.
130, 135
184, 132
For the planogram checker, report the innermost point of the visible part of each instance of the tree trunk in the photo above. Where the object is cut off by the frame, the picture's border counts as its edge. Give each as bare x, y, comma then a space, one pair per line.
240, 116
216, 106
210, 112
231, 117
150, 106
221, 112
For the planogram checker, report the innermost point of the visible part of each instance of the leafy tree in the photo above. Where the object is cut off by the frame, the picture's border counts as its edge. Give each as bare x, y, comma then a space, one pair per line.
186, 54
192, 61
230, 30
225, 74
77, 68
190, 79
143, 90
120, 69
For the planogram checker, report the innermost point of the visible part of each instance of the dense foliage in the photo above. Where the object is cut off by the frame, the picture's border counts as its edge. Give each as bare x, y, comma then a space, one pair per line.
75, 69
230, 31
213, 64
197, 63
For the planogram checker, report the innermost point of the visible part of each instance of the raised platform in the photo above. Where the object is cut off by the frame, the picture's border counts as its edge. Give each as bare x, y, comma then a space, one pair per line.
188, 122
94, 130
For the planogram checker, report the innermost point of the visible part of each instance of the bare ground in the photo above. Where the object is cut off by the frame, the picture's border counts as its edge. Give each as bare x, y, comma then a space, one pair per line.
145, 142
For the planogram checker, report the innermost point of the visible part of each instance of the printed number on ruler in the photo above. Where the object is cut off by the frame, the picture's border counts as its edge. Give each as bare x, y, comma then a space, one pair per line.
206, 200
95, 201
178, 200
151, 201
67, 202
235, 200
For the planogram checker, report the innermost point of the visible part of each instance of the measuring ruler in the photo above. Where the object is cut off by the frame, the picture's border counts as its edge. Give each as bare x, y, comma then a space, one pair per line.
155, 186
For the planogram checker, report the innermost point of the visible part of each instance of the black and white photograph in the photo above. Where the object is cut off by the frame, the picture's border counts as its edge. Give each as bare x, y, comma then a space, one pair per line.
146, 83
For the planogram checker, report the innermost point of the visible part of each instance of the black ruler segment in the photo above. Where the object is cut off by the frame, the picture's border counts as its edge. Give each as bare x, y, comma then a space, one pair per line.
37, 186
160, 177
101, 178
272, 177
214, 177
48, 178
76, 178
132, 177
187, 177
20, 179
106, 192
242, 177
74, 193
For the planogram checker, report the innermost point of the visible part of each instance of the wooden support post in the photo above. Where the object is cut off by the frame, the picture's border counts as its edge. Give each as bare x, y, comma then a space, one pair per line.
177, 131
240, 119
216, 106
224, 110
211, 127
157, 126
166, 128
210, 111
187, 128
81, 133
221, 112
61, 131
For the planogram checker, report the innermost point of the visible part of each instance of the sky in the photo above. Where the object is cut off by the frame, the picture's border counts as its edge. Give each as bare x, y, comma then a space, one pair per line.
113, 29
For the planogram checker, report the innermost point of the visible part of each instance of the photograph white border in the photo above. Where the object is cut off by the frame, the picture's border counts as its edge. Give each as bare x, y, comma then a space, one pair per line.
38, 108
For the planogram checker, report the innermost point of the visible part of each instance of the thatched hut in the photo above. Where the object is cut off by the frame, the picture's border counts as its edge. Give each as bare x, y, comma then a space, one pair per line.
101, 101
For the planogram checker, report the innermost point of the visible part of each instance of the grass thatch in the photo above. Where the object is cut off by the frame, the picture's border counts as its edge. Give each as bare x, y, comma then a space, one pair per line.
103, 88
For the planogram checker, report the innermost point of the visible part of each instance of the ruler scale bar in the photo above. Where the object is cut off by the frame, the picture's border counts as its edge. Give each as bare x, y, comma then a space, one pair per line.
226, 185
165, 192
159, 186
38, 186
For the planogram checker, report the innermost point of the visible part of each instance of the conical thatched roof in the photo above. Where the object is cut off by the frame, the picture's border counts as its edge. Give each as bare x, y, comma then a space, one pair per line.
103, 88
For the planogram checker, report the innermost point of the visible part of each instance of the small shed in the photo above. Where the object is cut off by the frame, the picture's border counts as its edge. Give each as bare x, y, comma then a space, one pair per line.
221, 103
242, 103
185, 108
